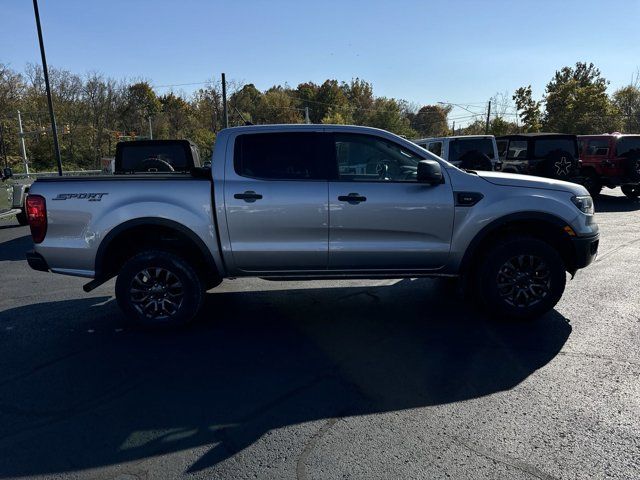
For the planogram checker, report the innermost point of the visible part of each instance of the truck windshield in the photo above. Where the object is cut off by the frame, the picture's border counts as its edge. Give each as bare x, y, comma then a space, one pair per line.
462, 146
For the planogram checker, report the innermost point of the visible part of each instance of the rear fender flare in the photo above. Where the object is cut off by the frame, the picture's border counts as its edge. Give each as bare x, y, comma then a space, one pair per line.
152, 221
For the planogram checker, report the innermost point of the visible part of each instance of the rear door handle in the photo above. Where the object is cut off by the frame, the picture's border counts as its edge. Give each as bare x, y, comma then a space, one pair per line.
352, 198
248, 196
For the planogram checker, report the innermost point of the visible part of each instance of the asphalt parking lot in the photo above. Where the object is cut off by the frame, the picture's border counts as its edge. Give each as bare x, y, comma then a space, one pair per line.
324, 380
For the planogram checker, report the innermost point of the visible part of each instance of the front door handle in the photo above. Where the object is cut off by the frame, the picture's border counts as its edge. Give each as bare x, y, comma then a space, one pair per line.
352, 198
249, 196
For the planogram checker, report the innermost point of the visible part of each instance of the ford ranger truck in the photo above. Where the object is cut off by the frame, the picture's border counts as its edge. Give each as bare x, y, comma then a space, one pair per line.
292, 202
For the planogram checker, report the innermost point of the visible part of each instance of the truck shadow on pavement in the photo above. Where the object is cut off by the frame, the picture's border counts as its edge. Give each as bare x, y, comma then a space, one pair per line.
613, 203
78, 390
15, 249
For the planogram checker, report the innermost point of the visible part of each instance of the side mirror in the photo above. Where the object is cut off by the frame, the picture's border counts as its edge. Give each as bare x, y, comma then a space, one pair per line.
429, 171
7, 173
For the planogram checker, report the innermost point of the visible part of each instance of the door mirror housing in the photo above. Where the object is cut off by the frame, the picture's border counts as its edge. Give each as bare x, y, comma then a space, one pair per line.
429, 171
7, 173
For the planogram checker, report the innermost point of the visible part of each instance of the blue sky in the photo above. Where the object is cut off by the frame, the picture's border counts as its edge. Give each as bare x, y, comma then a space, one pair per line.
424, 52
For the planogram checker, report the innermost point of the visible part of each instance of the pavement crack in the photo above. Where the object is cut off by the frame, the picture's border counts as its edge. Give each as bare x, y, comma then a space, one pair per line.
615, 249
312, 443
506, 460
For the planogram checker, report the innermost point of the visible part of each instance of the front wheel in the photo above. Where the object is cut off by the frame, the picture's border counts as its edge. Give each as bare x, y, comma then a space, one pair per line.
520, 278
631, 191
158, 289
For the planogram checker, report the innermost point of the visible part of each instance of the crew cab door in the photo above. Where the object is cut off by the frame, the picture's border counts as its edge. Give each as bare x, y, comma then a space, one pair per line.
381, 218
276, 202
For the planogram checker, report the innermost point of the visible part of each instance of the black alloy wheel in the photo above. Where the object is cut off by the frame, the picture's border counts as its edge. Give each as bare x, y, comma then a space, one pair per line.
159, 289
524, 280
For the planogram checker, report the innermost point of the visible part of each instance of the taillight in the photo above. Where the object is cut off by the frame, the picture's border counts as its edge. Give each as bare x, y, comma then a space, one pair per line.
37, 215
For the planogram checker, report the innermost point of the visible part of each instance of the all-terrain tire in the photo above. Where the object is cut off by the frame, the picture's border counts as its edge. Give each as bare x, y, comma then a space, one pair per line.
592, 183
520, 278
633, 168
159, 289
631, 191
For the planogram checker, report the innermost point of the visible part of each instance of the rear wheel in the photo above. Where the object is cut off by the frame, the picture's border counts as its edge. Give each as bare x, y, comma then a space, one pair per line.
520, 278
633, 169
592, 183
631, 191
158, 289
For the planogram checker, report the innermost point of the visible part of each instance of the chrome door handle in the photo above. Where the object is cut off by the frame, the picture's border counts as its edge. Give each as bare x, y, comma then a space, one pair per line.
248, 196
352, 198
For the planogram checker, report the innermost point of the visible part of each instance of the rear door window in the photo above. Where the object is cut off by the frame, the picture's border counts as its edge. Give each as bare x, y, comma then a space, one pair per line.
545, 146
599, 147
628, 146
517, 150
280, 156
502, 147
435, 148
460, 147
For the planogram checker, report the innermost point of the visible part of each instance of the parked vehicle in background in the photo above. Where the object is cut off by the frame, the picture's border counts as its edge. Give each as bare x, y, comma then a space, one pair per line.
295, 202
472, 152
552, 155
156, 156
611, 160
12, 197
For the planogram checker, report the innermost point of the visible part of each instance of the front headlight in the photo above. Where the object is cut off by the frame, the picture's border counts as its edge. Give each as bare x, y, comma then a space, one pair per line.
584, 204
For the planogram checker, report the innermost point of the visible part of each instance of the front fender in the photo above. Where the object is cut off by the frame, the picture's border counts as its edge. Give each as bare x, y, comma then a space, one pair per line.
473, 224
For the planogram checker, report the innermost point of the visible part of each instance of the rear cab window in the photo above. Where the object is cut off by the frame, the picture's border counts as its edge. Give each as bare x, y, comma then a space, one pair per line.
159, 157
281, 156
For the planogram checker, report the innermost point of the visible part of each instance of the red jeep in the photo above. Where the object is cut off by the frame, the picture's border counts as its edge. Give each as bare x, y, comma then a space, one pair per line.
609, 161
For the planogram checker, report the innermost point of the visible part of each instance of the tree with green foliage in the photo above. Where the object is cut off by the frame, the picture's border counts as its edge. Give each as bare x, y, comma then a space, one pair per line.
627, 101
577, 102
431, 120
528, 109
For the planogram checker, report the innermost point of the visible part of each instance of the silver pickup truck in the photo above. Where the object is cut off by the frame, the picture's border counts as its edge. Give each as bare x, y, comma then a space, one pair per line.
291, 202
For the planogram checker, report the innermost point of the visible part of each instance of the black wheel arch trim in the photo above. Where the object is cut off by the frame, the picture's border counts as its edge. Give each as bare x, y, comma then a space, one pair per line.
152, 221
501, 222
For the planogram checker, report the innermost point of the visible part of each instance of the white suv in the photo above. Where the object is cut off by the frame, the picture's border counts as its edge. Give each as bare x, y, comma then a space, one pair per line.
474, 152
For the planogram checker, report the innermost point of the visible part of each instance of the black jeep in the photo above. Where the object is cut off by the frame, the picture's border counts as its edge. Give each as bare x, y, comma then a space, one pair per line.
553, 155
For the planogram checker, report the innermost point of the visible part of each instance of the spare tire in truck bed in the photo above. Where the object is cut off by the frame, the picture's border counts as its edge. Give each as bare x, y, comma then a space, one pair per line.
156, 156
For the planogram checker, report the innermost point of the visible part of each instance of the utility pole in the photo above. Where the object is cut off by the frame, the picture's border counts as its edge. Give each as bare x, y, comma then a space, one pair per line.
22, 145
454, 128
307, 120
225, 113
150, 129
54, 128
486, 128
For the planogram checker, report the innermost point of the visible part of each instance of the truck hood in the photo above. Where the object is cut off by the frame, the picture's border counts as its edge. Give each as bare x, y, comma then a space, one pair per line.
529, 181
